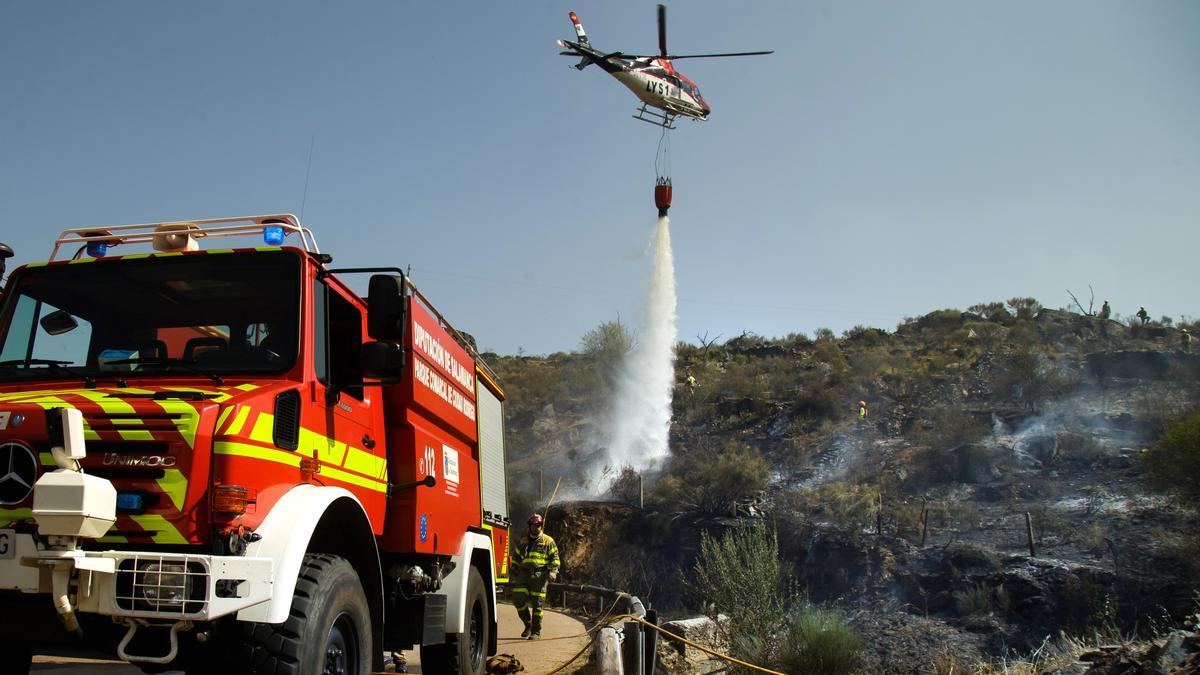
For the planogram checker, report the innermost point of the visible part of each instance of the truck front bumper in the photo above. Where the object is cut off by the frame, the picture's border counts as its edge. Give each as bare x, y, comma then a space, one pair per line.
141, 584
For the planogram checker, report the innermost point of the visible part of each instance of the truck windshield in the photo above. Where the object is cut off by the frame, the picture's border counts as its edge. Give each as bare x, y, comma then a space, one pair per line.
150, 317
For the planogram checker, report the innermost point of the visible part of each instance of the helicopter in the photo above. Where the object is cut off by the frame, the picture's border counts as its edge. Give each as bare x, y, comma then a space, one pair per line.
652, 78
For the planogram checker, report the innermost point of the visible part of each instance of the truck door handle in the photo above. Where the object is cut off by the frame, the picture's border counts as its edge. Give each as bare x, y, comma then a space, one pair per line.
368, 441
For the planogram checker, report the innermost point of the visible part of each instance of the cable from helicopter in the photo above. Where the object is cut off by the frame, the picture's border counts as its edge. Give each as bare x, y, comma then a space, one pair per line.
662, 172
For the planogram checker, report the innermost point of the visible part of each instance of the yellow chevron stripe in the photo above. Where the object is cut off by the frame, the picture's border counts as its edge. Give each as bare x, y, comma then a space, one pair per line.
15, 514
324, 448
221, 419
257, 452
113, 539
235, 427
264, 428
365, 463
354, 479
166, 532
293, 459
174, 484
187, 420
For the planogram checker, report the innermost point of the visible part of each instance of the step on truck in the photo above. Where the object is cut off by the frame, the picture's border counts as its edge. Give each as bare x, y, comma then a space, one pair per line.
223, 459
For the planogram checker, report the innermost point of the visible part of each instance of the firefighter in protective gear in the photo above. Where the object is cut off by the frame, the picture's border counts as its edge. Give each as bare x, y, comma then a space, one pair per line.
535, 560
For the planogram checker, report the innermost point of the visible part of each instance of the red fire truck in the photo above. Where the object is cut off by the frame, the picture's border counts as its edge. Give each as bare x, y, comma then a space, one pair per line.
225, 460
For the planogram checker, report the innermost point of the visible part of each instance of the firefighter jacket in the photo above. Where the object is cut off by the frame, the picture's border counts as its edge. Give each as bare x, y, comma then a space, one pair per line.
535, 553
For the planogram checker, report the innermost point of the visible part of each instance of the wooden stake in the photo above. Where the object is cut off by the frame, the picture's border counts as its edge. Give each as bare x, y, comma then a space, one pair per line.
641, 491
924, 522
546, 515
879, 516
1029, 534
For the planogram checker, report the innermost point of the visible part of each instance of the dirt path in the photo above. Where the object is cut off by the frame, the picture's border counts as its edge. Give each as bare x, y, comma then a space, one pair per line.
562, 637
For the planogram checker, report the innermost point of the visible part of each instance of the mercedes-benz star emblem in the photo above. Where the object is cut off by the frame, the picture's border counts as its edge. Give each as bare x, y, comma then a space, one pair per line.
18, 471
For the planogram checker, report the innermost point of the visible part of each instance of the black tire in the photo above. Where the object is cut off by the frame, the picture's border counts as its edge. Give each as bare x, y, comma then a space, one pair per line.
327, 632
464, 653
15, 658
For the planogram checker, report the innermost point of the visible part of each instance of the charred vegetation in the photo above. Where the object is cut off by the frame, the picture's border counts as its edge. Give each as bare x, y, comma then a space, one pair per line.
1023, 477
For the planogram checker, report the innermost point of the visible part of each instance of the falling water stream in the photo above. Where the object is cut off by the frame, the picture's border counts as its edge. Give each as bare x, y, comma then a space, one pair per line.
641, 411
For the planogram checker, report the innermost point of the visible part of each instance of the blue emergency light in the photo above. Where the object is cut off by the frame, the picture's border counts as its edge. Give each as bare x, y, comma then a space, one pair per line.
130, 501
273, 235
97, 249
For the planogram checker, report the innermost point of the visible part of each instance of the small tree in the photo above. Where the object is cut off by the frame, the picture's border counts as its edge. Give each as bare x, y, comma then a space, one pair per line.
606, 346
1024, 308
1173, 464
608, 342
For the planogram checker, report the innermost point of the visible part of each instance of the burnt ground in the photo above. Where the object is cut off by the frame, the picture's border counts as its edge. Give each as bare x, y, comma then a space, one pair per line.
1111, 558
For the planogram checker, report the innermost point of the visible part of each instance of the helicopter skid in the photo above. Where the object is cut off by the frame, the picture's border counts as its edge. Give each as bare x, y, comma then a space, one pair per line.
665, 120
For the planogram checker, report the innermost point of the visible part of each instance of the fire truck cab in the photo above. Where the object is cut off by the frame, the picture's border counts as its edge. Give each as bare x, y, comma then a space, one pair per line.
224, 459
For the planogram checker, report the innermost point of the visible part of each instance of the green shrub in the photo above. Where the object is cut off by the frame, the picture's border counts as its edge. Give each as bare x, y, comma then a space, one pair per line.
626, 487
711, 479
1173, 464
1088, 609
1048, 520
820, 641
1079, 446
738, 575
973, 601
850, 507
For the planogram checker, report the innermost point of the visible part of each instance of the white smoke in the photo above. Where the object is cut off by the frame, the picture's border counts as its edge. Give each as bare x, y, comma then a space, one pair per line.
641, 411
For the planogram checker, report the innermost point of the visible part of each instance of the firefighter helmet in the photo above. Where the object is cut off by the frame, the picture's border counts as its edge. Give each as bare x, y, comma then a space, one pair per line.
536, 519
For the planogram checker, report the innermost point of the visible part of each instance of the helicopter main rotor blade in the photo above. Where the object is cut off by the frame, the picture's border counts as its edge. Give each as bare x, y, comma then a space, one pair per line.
673, 57
662, 31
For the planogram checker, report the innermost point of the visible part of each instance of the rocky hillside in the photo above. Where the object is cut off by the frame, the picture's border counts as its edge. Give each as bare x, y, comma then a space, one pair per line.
992, 500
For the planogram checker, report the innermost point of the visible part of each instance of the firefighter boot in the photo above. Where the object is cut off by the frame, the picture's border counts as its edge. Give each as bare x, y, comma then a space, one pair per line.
537, 628
524, 614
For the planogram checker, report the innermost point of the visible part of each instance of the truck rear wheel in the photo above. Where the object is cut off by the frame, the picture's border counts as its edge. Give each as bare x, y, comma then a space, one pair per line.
328, 631
15, 658
464, 653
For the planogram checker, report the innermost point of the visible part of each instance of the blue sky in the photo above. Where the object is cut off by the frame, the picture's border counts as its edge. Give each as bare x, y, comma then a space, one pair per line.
888, 160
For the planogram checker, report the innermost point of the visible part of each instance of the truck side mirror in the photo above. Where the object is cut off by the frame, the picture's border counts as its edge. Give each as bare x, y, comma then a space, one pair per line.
385, 307
381, 361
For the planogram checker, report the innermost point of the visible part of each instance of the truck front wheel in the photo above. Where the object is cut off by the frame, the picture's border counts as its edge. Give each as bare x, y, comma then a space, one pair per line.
464, 653
15, 658
328, 630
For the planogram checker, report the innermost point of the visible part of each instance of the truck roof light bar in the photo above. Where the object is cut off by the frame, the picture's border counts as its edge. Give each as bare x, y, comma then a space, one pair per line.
146, 233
